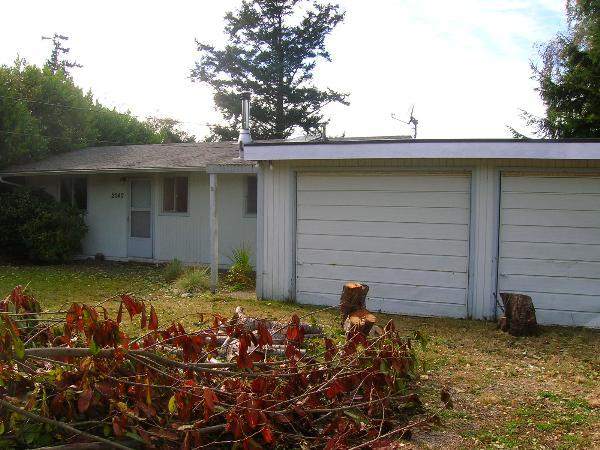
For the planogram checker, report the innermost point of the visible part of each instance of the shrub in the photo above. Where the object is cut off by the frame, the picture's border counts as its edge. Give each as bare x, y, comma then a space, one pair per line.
173, 270
241, 273
194, 280
34, 226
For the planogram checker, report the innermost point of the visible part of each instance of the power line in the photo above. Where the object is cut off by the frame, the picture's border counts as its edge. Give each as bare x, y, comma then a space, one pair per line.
96, 109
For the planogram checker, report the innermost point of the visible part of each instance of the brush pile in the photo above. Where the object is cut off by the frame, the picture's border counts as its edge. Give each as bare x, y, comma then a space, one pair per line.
76, 380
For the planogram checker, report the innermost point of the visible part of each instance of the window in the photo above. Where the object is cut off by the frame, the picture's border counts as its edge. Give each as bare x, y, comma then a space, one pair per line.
251, 195
73, 191
175, 194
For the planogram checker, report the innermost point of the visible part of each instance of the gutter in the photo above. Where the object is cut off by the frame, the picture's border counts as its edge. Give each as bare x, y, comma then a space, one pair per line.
10, 183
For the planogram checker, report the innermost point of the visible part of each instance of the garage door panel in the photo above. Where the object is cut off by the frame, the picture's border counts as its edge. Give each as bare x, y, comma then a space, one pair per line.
569, 318
553, 285
551, 184
563, 202
382, 198
576, 302
383, 229
392, 214
442, 247
551, 251
389, 305
384, 260
549, 268
405, 235
557, 218
551, 235
375, 275
392, 291
383, 182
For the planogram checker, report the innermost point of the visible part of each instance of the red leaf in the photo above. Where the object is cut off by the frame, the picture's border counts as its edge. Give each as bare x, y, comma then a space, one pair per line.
120, 314
119, 424
133, 306
267, 434
153, 323
83, 403
209, 402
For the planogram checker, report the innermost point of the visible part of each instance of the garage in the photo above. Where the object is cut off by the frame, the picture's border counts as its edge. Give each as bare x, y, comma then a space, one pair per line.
550, 244
405, 235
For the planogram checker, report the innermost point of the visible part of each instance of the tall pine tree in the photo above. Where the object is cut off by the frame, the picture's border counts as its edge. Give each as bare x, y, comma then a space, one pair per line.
273, 49
569, 76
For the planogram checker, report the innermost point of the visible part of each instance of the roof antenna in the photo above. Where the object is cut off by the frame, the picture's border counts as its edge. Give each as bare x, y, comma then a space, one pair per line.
412, 120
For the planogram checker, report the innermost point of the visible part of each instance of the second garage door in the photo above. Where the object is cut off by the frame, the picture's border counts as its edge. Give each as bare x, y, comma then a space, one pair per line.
406, 236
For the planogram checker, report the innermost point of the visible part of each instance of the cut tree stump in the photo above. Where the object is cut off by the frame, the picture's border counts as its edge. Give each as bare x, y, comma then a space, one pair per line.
519, 315
353, 298
355, 316
361, 320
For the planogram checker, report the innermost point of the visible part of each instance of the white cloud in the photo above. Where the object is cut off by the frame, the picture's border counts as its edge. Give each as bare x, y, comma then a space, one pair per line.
464, 63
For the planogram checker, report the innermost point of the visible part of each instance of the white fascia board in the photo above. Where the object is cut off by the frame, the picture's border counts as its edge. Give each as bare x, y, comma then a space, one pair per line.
442, 149
232, 168
102, 171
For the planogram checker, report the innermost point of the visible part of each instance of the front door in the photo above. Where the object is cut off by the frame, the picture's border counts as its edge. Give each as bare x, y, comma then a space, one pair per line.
139, 241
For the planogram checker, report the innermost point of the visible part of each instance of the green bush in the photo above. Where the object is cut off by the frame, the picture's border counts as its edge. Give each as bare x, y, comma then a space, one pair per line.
173, 270
35, 227
241, 273
194, 280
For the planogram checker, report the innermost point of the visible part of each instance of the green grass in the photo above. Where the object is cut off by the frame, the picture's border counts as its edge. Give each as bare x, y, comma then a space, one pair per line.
508, 392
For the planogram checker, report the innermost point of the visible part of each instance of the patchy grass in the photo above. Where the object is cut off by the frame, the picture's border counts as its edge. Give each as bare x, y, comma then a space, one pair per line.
525, 393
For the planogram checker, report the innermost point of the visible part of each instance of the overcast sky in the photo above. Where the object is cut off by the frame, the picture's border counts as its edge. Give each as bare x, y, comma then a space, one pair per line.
463, 63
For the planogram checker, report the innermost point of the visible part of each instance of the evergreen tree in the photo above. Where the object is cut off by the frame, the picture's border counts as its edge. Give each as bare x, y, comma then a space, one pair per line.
273, 49
569, 77
56, 62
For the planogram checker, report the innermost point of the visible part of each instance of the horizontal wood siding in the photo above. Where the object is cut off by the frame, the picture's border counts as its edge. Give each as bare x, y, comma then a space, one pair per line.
412, 251
550, 245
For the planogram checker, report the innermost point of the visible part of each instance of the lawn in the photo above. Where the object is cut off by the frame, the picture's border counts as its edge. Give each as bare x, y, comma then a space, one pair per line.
540, 392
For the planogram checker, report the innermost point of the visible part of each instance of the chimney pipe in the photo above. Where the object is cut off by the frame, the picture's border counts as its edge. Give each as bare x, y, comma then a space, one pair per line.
245, 137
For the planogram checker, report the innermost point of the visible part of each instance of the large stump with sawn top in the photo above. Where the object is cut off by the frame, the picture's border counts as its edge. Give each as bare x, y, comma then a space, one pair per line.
519, 315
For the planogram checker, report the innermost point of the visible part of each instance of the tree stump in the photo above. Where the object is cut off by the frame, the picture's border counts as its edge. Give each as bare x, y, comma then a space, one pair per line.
519, 315
355, 316
353, 298
361, 320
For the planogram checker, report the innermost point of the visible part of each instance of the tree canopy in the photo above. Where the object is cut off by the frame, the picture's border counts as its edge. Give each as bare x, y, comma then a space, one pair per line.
273, 49
569, 76
43, 112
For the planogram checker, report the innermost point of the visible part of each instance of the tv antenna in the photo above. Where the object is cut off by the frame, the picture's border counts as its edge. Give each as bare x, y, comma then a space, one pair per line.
412, 120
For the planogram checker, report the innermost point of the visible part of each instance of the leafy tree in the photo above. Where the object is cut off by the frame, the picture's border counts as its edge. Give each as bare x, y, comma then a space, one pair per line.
569, 77
34, 226
55, 62
273, 49
168, 130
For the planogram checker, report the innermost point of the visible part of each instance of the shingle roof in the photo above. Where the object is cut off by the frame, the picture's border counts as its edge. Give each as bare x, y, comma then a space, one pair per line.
135, 157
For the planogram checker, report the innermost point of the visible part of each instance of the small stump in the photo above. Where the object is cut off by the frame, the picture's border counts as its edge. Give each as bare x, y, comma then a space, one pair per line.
519, 315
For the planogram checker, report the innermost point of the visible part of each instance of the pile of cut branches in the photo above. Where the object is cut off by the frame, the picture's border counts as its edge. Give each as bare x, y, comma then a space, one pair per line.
78, 379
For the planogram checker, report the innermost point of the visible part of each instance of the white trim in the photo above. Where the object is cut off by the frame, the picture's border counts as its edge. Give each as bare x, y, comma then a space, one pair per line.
426, 150
260, 208
231, 168
214, 234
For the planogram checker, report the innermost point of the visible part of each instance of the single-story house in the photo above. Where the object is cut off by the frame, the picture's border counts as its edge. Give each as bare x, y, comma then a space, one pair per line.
153, 202
434, 227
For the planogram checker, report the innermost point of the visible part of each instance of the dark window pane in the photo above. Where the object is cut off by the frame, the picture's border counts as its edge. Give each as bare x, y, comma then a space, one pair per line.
80, 193
140, 224
169, 194
140, 194
65, 190
251, 195
181, 194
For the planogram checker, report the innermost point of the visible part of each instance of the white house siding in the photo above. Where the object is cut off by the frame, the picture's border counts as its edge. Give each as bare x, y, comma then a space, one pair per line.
550, 244
184, 236
405, 235
276, 275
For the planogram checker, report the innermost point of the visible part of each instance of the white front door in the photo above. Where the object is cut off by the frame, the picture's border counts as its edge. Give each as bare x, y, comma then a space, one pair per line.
139, 241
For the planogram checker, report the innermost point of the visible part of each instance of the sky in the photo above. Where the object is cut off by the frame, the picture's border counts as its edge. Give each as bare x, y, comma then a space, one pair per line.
463, 64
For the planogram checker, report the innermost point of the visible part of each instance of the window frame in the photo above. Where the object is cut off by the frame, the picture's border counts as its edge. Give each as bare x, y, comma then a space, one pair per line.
71, 180
174, 212
247, 194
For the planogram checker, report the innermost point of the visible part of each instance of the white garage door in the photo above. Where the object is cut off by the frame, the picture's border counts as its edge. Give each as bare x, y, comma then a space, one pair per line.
550, 245
406, 236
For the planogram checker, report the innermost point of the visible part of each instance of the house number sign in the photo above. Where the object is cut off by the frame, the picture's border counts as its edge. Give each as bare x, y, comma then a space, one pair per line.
118, 195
